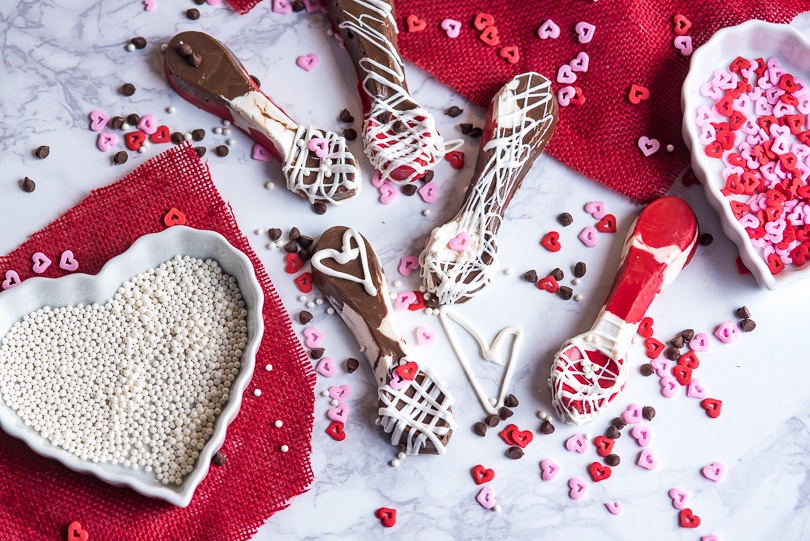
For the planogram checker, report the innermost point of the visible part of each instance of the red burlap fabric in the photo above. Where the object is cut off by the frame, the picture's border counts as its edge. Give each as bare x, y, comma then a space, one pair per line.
40, 497
633, 44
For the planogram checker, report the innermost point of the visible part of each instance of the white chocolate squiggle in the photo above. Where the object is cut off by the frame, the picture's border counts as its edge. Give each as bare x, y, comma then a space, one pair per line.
344, 256
419, 146
451, 275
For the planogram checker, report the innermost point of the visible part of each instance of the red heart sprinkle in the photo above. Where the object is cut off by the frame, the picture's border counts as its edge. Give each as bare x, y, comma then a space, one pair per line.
304, 282
775, 264
741, 268
521, 439
689, 360
482, 20
795, 123
294, 263
762, 67
579, 97
599, 472
688, 519
645, 328
733, 185
682, 25
799, 254
604, 446
736, 120
715, 150
336, 431
551, 241
482, 475
689, 178
419, 303
739, 63
75, 532
739, 208
415, 24
456, 159
174, 217
787, 83
654, 347
607, 224
162, 135
408, 370
683, 374
638, 93
711, 406
387, 516
511, 54
134, 139
549, 283
506, 434
490, 36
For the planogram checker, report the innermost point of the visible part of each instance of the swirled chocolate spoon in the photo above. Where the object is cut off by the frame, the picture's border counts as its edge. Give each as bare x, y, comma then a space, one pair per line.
414, 404
591, 369
461, 257
316, 163
400, 137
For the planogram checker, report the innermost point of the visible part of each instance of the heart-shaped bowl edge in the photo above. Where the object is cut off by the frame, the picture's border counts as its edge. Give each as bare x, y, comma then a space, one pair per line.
722, 48
145, 253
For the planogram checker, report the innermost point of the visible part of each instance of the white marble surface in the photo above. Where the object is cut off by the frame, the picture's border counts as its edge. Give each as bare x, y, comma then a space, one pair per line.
59, 62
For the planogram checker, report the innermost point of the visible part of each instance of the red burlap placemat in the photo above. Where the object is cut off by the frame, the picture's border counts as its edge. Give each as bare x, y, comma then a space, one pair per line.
633, 44
39, 497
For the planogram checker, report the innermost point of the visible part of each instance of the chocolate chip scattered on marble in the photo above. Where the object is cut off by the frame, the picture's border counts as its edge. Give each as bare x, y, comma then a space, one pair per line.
565, 219
748, 325
672, 354
304, 254
492, 420
133, 119
346, 116
138, 42
200, 2
198, 134
706, 239
428, 177
648, 412
294, 234
221, 151
319, 208
43, 152
291, 247
256, 81
409, 189
219, 458
580, 269
128, 89
193, 14
178, 138
299, 5
677, 342
274, 233
304, 317
475, 133
742, 312
613, 433
117, 122
565, 293
504, 413
515, 452
480, 429
612, 460
316, 353
465, 128
619, 423
28, 185
432, 302
200, 151
546, 427
558, 274
646, 370
352, 364
305, 241
453, 111
350, 134
511, 401
530, 276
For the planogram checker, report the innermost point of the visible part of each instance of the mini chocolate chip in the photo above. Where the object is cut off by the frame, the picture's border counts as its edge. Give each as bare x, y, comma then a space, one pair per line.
672, 354
399, 126
305, 241
648, 412
219, 458
291, 247
198, 134
646, 370
530, 276
133, 119
515, 452
178, 138
385, 117
221, 151
350, 134
319, 208
475, 133
454, 111
748, 325
299, 5
346, 116
194, 60
42, 152
432, 302
613, 433
428, 177
274, 233
294, 234
117, 122
706, 239
200, 151
409, 189
565, 219
465, 128
565, 293
138, 42
193, 14
199, 2
316, 353
184, 50
304, 317
619, 423
352, 364
676, 342
256, 81
304, 254
28, 185
546, 427
511, 401
558, 274
128, 89
492, 420
120, 157
612, 460
505, 413
480, 429
742, 313
579, 270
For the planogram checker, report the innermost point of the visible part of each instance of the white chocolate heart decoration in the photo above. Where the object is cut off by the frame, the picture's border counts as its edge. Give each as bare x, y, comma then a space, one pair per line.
347, 254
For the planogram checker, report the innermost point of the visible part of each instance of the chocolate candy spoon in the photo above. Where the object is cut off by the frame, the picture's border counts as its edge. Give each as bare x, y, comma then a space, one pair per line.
590, 370
414, 405
316, 163
461, 257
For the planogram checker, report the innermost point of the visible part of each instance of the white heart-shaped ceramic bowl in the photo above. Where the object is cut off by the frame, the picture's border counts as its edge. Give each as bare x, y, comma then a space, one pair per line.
147, 252
751, 39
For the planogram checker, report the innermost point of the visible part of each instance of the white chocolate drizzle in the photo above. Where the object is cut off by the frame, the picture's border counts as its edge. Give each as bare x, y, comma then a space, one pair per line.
452, 275
344, 256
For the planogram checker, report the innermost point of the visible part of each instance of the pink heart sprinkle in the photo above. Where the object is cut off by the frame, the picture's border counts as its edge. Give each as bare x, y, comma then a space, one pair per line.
632, 415
312, 5
68, 262
405, 299
339, 414
749, 220
98, 120
642, 435
407, 265
710, 538
308, 62
12, 279
340, 393
149, 5
585, 31
683, 44
148, 124
679, 498
41, 262
581, 63
661, 366
425, 336
615, 508
714, 472
648, 146
549, 468
428, 192
260, 153
548, 30
460, 243
451, 28
319, 146
578, 488
727, 332
314, 337
589, 236
565, 75
388, 193
397, 382
695, 389
668, 386
106, 141
565, 95
596, 209
647, 460
486, 497
577, 443
214, 2
326, 367
377, 180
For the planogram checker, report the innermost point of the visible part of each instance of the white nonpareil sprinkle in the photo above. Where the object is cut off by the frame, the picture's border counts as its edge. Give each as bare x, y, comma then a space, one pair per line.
429, 311
217, 131
269, 185
543, 415
395, 463
125, 126
187, 137
138, 381
284, 448
259, 231
575, 281
257, 392
230, 142
508, 271
636, 339
142, 149
269, 367
302, 298
497, 508
325, 393
319, 301
422, 289
130, 47
330, 310
426, 212
397, 283
392, 296
164, 46
578, 297
272, 246
670, 148
493, 401
310, 304
278, 424
171, 110
401, 455
226, 131
334, 403
226, 122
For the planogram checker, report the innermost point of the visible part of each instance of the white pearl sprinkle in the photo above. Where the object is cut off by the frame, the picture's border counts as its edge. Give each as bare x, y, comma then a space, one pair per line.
142, 149
310, 304
670, 148
171, 110
187, 137
636, 339
272, 246
334, 403
259, 231
278, 424
578, 297
230, 142
319, 301
268, 367
330, 310
302, 298
543, 415
217, 130
269, 185
392, 296
508, 271
496, 508
145, 143
397, 283
226, 122
226, 131
586, 436
426, 212
395, 463
284, 448
426, 296
401, 455
575, 281
325, 393
422, 289
257, 392
130, 47
125, 126
429, 311
164, 47
493, 401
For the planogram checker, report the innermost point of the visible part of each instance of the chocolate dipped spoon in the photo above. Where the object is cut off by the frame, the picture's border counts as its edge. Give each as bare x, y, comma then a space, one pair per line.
400, 137
591, 369
414, 404
316, 163
461, 257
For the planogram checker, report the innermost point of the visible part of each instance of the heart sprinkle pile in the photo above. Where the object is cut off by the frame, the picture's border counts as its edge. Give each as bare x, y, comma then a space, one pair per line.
138, 381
